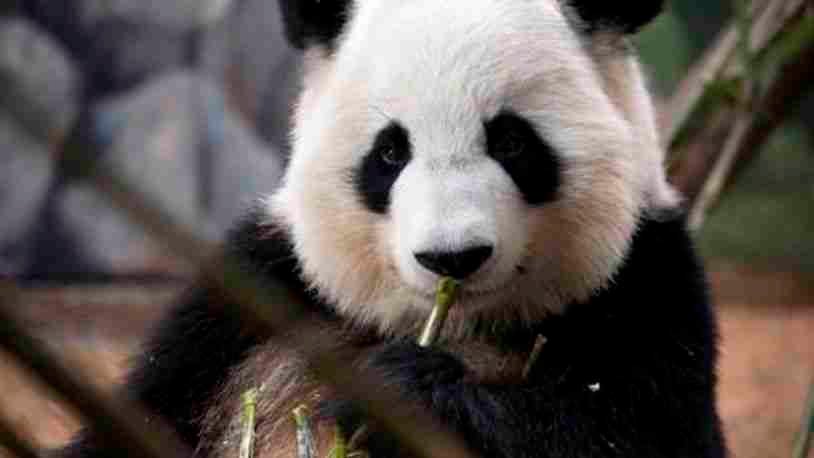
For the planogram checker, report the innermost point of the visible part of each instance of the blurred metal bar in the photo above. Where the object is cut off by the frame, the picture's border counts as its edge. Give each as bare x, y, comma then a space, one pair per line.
756, 120
770, 17
12, 441
804, 439
126, 428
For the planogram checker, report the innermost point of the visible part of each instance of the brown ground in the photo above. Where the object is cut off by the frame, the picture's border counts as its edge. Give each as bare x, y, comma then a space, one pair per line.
767, 364
767, 359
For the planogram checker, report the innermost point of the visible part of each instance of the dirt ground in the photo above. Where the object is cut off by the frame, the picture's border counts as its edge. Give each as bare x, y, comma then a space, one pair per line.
767, 358
767, 354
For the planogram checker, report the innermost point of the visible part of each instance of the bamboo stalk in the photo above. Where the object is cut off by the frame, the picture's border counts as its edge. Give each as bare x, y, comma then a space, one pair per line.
340, 448
740, 123
721, 61
757, 119
721, 169
305, 437
539, 343
444, 297
804, 439
249, 401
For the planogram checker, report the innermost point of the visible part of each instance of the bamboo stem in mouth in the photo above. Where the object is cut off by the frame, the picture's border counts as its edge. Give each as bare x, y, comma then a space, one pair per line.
444, 297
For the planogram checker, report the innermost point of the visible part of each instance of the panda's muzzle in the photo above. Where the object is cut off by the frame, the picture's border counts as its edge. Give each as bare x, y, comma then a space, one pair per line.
455, 264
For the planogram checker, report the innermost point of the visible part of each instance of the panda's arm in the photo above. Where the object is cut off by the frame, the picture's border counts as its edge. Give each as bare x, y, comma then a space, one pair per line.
651, 405
187, 358
193, 349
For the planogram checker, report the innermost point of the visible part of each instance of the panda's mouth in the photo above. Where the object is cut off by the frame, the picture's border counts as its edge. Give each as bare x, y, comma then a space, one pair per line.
468, 294
474, 293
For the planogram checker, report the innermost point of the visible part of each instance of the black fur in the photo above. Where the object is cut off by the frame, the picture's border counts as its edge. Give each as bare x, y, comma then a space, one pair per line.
514, 143
201, 340
390, 153
628, 17
631, 373
314, 22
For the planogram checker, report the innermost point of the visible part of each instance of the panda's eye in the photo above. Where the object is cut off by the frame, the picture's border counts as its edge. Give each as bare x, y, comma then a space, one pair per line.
382, 165
510, 147
514, 143
393, 156
391, 147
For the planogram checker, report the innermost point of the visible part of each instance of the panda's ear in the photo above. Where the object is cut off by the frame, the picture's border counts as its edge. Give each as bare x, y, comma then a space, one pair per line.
626, 17
314, 22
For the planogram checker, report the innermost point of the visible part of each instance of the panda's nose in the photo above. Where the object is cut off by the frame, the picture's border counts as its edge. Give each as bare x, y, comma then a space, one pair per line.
455, 264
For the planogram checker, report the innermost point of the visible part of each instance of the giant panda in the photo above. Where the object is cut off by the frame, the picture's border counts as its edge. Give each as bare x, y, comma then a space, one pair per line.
512, 145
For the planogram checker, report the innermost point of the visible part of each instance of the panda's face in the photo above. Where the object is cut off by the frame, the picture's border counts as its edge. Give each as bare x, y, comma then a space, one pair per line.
466, 138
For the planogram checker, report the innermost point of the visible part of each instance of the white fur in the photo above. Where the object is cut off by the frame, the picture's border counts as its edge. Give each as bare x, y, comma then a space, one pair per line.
441, 69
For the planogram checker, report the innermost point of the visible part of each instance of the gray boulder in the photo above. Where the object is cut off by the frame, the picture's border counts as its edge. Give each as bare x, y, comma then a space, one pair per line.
38, 83
25, 177
176, 141
38, 103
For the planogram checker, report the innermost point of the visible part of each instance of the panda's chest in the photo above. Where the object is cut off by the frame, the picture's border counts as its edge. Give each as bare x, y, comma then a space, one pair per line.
489, 364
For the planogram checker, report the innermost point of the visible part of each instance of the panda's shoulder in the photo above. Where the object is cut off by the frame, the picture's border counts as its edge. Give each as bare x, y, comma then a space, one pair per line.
260, 243
206, 331
657, 301
662, 265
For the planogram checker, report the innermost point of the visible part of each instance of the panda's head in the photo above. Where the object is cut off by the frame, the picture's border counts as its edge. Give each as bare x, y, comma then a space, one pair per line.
508, 143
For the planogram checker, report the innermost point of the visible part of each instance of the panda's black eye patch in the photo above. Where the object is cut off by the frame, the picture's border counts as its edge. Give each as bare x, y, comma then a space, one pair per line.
513, 142
381, 166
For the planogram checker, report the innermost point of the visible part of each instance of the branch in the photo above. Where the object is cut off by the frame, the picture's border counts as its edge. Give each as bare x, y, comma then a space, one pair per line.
721, 115
118, 421
753, 126
14, 443
721, 61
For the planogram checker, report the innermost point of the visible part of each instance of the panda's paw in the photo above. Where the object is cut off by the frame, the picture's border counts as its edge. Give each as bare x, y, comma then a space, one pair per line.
423, 375
418, 370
